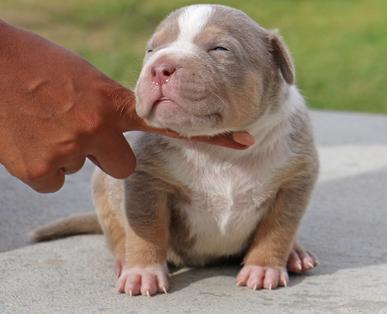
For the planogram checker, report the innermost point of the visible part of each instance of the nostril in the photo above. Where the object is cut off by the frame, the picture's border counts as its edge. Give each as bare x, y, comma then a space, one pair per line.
167, 72
162, 72
167, 69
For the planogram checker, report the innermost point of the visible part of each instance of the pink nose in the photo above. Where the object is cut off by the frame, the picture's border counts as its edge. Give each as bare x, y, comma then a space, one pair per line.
161, 73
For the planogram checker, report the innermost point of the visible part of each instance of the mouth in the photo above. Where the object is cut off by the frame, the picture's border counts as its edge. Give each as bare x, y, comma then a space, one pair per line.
161, 101
165, 112
166, 103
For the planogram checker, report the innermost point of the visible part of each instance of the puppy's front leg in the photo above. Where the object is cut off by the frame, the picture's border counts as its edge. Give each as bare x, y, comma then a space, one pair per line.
266, 259
144, 269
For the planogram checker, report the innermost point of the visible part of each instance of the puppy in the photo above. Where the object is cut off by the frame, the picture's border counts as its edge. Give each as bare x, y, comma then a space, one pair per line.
210, 69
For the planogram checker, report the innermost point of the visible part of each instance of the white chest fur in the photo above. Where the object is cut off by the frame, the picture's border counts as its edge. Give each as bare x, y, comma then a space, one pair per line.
226, 198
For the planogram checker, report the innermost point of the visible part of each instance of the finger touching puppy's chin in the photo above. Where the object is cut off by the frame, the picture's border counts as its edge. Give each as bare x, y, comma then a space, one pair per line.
183, 123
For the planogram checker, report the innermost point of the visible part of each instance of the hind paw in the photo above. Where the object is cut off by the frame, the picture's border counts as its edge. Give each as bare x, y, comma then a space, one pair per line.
301, 260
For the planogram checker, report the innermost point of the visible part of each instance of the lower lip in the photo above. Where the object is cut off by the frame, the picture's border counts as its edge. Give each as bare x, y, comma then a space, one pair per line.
165, 103
162, 101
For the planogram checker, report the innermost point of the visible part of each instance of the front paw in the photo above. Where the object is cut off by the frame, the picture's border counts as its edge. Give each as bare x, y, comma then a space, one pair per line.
148, 280
259, 277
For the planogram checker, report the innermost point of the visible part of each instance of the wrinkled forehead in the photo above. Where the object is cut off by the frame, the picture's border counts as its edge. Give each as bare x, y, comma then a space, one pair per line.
186, 29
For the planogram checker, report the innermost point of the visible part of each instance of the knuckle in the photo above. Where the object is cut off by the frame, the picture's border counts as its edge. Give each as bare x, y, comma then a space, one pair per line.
75, 166
57, 184
93, 124
42, 189
124, 171
38, 171
72, 149
51, 186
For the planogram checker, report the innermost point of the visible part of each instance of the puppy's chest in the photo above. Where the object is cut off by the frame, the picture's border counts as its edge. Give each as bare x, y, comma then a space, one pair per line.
226, 194
225, 204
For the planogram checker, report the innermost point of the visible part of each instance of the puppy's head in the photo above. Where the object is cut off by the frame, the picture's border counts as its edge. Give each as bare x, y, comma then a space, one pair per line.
210, 69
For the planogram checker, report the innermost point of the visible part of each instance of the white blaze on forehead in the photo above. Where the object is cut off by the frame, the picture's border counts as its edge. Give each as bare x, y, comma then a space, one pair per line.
192, 20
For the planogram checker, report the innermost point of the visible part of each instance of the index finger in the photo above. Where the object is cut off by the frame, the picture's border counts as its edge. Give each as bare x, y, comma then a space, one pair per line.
237, 140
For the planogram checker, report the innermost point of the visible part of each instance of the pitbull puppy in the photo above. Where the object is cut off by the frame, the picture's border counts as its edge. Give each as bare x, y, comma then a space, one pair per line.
210, 69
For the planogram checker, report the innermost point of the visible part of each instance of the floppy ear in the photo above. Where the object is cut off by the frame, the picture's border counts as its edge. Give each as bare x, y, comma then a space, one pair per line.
281, 57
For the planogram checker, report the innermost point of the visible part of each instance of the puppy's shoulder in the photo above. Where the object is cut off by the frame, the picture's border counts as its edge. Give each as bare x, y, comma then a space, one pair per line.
304, 156
300, 134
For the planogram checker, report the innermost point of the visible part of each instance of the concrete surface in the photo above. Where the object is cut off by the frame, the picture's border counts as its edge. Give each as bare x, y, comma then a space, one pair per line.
345, 226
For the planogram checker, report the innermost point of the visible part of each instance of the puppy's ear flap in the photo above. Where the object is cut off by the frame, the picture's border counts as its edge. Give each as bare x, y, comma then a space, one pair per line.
281, 57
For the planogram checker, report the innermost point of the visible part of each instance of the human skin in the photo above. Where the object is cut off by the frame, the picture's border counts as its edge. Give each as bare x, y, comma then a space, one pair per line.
56, 109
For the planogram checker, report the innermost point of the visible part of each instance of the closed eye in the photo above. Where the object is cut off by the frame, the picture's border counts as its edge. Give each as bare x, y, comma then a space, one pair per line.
149, 50
219, 48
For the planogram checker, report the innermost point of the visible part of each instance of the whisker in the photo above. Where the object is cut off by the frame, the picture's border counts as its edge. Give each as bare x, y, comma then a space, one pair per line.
217, 96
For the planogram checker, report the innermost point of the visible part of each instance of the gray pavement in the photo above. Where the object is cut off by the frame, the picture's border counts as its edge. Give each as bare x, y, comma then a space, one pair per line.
345, 227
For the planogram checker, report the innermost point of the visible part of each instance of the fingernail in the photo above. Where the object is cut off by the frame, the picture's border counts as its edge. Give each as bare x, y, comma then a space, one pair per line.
244, 138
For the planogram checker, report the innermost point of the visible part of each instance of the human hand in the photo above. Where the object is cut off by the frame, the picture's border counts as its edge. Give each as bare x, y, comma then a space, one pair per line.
56, 109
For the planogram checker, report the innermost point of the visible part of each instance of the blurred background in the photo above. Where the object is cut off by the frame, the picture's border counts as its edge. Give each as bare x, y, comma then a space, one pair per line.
339, 46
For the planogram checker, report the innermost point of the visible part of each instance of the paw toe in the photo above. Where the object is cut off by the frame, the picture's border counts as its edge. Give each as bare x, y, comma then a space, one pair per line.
257, 277
149, 285
301, 260
294, 262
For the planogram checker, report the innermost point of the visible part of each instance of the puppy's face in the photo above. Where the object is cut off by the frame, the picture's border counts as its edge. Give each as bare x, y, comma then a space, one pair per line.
210, 69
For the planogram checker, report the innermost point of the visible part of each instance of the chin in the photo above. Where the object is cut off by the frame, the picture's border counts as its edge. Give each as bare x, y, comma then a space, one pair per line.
185, 127
181, 122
